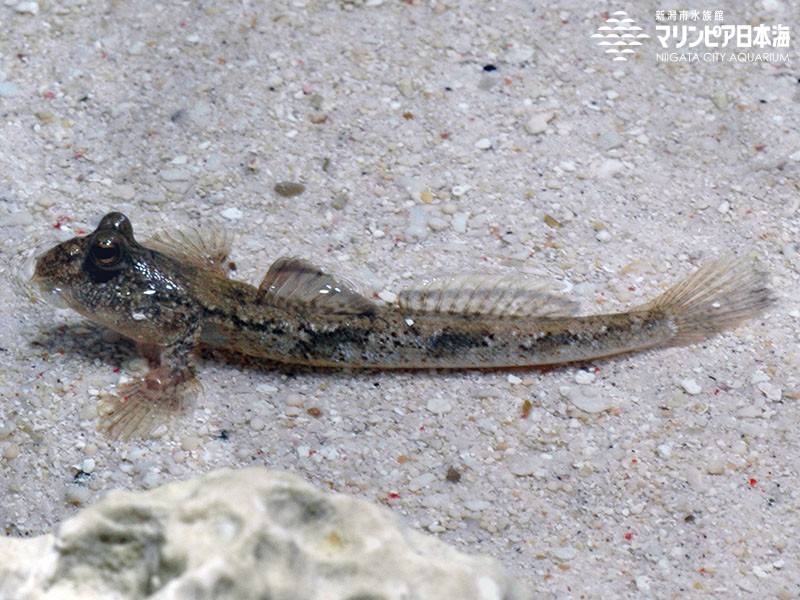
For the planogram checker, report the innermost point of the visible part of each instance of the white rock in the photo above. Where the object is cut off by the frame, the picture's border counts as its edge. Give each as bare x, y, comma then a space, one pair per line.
715, 465
460, 222
232, 213
537, 123
584, 377
253, 533
519, 53
608, 168
439, 405
388, 296
460, 190
175, 175
8, 89
30, 8
587, 399
610, 140
691, 387
483, 144
664, 450
565, 553
772, 392
522, 465
748, 412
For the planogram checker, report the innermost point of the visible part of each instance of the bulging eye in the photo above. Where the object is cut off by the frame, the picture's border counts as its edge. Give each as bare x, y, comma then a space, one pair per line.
106, 252
106, 256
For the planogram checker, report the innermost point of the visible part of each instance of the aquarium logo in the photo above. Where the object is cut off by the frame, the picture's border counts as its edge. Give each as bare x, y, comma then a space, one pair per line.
619, 36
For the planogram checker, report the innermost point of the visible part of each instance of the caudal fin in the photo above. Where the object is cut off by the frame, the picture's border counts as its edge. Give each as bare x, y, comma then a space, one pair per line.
718, 296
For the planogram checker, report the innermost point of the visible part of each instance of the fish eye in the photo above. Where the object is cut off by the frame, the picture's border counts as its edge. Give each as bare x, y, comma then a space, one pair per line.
106, 251
106, 257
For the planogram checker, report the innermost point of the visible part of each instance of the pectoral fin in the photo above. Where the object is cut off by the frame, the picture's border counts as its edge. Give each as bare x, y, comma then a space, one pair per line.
296, 284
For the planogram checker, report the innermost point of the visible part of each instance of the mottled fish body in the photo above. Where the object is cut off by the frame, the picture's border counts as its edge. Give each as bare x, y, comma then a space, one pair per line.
173, 293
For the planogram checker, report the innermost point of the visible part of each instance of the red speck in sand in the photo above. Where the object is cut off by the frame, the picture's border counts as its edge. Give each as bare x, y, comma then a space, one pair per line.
753, 482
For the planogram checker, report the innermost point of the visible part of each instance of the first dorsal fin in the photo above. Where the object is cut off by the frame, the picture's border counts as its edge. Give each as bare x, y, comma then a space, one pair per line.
207, 249
296, 284
486, 295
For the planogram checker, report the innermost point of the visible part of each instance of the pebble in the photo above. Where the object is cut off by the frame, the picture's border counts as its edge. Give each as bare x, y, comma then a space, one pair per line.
691, 387
565, 553
123, 192
232, 213
514, 380
715, 465
437, 224
610, 140
175, 175
88, 465
695, 479
11, 451
523, 465
417, 223
190, 442
483, 144
519, 53
748, 412
724, 207
608, 168
339, 201
720, 99
439, 405
537, 123
288, 189
604, 235
460, 222
8, 89
584, 377
77, 494
28, 8
664, 450
642, 583
421, 481
477, 505
405, 87
772, 392
589, 400
388, 296
257, 423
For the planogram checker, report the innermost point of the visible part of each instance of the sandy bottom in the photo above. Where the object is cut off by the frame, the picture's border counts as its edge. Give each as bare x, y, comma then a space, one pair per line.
431, 138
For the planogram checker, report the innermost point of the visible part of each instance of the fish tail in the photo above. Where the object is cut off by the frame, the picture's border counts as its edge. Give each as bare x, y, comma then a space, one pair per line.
716, 297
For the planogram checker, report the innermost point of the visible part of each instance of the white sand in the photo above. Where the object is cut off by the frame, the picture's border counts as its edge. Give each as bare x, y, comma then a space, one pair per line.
190, 113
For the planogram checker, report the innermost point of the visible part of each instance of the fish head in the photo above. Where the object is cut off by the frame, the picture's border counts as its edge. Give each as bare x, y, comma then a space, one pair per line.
112, 280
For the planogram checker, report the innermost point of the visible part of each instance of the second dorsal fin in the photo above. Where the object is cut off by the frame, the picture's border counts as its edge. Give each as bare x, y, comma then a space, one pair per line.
488, 295
296, 284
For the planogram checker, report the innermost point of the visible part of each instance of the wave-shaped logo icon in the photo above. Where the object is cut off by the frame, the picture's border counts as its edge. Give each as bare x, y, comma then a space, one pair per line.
618, 35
